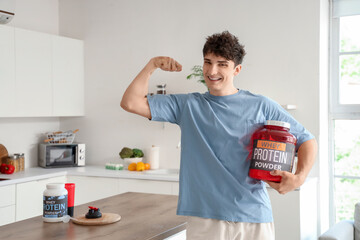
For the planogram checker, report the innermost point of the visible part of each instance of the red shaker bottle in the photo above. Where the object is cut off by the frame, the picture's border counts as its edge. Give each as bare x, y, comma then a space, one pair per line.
273, 149
70, 187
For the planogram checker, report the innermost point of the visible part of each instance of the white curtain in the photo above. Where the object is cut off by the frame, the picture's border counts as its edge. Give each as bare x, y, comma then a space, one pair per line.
342, 8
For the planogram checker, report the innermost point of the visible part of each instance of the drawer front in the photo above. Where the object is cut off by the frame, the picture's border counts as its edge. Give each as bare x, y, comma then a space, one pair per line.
7, 215
7, 194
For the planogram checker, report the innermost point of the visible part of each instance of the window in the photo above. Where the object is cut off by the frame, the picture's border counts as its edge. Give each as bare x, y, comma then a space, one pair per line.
346, 167
345, 109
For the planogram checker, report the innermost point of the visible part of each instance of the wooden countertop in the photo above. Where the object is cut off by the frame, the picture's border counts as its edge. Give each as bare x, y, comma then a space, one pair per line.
143, 217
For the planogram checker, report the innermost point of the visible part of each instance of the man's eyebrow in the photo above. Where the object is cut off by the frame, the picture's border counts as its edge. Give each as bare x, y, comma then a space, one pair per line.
223, 61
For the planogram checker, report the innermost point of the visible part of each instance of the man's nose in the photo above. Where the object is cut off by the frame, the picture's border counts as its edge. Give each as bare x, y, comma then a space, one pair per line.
213, 70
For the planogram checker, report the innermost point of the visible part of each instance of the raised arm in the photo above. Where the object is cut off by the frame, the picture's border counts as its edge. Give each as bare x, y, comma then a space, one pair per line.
134, 99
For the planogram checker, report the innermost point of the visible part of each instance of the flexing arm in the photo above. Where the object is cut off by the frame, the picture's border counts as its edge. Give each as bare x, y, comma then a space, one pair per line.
134, 99
306, 158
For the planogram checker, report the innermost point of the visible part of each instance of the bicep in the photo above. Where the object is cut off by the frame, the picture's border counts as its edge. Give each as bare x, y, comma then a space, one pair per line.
140, 107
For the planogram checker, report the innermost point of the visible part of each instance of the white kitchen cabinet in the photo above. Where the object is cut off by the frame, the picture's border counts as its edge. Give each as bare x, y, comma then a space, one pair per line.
7, 204
295, 213
40, 74
7, 215
88, 189
7, 71
68, 77
33, 58
29, 197
145, 186
175, 188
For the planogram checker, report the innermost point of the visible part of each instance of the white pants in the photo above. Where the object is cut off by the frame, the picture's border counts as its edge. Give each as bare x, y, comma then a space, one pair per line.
212, 229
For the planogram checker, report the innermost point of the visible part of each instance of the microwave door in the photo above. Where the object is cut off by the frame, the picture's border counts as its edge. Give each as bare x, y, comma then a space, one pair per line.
61, 157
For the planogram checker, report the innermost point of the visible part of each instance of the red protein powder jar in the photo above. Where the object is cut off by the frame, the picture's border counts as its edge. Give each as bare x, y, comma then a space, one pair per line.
273, 149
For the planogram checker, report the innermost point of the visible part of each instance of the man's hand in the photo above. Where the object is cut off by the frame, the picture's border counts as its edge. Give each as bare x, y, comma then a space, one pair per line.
288, 181
134, 99
166, 64
306, 158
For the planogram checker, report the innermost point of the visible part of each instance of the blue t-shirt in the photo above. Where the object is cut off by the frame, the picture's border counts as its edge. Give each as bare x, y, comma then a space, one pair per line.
215, 135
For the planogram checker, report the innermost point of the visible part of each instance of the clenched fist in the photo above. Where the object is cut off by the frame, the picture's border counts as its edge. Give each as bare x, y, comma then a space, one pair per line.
166, 64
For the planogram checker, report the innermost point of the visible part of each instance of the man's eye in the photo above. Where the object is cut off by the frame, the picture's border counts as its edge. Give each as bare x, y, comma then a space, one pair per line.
223, 65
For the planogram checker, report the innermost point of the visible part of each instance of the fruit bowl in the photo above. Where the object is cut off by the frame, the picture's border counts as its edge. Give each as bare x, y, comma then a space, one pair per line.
127, 161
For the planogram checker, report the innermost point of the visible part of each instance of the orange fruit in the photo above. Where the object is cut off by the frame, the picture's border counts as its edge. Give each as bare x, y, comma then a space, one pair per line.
140, 166
147, 166
132, 167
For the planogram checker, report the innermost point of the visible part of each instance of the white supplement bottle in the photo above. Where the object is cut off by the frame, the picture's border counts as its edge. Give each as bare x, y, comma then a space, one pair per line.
55, 202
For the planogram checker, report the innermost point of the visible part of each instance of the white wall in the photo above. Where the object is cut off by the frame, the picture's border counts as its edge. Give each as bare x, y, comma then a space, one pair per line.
23, 134
36, 15
282, 62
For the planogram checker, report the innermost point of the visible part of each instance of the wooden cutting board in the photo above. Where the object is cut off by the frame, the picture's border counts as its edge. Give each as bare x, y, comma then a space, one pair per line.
106, 218
3, 153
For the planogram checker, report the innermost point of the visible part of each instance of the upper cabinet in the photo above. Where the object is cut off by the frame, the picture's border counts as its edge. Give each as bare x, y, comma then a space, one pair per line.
7, 71
68, 77
33, 54
44, 74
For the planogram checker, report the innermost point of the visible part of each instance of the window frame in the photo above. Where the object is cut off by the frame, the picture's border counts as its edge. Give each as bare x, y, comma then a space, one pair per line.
337, 111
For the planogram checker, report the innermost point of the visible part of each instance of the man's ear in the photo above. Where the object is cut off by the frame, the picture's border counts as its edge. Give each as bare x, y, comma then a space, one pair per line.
237, 69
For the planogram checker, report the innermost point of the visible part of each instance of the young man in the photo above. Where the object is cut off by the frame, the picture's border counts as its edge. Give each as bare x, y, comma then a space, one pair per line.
217, 194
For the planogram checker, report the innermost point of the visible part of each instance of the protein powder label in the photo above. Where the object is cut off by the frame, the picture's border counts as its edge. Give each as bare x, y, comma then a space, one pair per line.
270, 155
55, 206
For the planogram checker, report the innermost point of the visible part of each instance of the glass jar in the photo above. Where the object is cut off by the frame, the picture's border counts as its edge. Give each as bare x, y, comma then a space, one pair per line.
161, 89
15, 161
21, 161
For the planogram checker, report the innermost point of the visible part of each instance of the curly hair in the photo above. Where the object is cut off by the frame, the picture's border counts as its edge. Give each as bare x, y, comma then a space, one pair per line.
225, 45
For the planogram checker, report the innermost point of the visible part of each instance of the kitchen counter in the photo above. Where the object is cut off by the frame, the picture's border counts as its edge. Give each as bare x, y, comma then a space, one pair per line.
38, 173
31, 174
143, 217
99, 171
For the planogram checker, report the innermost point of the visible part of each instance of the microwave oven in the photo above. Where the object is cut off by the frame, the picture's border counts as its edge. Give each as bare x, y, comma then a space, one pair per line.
61, 155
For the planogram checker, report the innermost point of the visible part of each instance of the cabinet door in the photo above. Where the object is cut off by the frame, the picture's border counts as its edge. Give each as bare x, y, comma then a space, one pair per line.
7, 194
88, 189
33, 57
7, 204
175, 188
29, 197
7, 72
145, 186
7, 215
68, 77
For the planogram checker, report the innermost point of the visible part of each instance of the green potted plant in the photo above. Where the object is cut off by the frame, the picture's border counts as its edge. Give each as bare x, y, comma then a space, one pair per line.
197, 74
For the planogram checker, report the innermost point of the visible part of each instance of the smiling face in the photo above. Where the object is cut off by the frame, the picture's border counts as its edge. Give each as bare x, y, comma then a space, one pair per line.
219, 75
